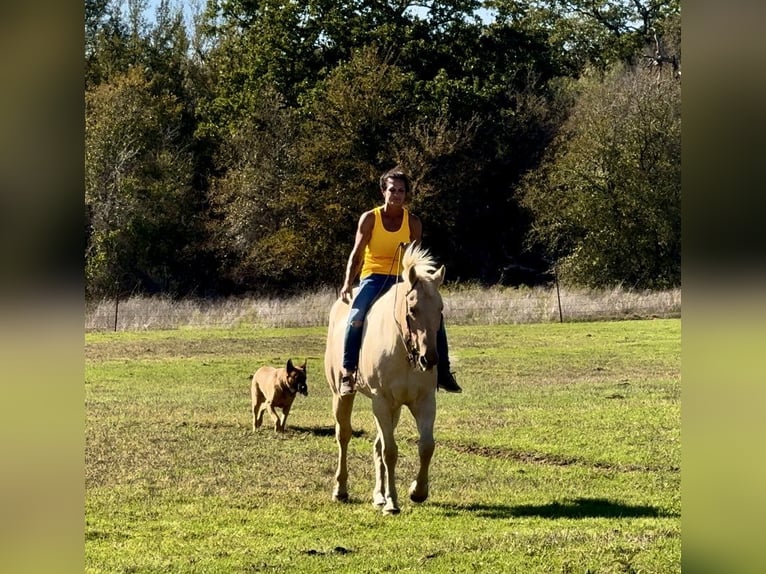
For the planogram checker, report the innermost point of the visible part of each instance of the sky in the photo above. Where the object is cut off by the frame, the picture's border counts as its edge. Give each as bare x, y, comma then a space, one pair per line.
192, 6
187, 5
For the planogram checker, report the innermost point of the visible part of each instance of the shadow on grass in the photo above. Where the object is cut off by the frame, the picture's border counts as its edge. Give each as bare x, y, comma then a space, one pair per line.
577, 508
322, 431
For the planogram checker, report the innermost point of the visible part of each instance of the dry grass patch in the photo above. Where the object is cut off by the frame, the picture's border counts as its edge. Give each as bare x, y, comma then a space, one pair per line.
464, 305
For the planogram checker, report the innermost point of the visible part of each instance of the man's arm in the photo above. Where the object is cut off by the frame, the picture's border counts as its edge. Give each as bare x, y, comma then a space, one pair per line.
356, 258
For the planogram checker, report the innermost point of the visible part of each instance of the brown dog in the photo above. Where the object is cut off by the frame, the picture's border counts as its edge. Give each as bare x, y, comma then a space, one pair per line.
276, 388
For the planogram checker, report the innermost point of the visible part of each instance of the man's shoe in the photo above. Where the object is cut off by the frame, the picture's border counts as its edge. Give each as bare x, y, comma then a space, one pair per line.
446, 382
347, 384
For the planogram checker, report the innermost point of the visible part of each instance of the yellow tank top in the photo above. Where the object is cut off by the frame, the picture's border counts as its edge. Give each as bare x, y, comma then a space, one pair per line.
383, 248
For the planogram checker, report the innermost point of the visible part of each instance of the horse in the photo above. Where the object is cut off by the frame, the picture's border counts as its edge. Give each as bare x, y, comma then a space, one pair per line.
396, 368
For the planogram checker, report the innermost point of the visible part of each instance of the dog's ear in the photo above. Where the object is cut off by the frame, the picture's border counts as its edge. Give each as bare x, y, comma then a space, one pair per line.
290, 367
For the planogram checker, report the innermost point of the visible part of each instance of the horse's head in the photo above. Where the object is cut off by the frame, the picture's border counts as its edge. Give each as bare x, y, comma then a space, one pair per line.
422, 306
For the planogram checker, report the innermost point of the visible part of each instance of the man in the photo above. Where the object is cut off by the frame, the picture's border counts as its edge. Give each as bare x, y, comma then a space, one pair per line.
379, 236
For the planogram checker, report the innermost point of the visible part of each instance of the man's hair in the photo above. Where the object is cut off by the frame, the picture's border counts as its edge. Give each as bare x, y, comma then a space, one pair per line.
395, 173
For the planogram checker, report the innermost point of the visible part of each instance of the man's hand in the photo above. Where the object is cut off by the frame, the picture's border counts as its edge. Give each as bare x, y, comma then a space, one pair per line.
346, 293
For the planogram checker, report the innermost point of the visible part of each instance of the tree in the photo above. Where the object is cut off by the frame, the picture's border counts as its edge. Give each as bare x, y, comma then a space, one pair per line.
606, 201
295, 181
375, 84
142, 212
596, 33
273, 122
254, 217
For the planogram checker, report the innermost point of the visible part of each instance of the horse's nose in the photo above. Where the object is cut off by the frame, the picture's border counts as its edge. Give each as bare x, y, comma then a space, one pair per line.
428, 361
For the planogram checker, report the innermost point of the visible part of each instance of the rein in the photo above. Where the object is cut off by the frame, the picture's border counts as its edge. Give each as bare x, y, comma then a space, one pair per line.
410, 347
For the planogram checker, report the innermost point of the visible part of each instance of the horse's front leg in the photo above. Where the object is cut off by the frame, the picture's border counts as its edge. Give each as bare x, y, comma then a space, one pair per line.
386, 421
342, 407
425, 414
379, 492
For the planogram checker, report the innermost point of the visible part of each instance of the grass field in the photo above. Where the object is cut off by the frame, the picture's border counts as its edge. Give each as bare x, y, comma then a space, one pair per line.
562, 455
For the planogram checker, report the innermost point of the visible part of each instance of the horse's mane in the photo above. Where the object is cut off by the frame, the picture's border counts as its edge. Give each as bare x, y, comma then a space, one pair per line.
419, 258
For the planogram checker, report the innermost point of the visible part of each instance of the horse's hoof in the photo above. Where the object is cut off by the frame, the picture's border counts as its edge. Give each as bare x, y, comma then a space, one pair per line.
378, 500
418, 497
415, 496
340, 496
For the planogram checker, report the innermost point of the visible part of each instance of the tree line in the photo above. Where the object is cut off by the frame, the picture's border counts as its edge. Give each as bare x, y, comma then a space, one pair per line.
235, 153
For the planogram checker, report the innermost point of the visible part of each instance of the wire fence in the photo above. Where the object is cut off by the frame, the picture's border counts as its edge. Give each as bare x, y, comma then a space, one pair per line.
462, 306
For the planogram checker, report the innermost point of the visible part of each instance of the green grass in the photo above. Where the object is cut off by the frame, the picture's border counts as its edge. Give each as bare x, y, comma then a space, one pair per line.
562, 455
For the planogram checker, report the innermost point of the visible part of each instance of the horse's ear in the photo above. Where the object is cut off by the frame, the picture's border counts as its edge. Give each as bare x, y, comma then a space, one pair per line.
290, 368
412, 277
303, 366
439, 275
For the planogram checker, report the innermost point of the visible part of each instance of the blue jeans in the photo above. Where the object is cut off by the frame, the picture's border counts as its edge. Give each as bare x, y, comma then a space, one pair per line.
370, 288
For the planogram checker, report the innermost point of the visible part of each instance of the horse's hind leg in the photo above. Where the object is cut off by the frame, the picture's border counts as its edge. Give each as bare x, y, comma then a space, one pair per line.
342, 411
425, 414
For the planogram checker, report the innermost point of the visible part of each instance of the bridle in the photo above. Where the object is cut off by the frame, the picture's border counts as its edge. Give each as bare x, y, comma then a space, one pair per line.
410, 343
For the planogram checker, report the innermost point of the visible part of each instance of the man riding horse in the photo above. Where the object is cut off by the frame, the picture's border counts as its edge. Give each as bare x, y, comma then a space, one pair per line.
375, 256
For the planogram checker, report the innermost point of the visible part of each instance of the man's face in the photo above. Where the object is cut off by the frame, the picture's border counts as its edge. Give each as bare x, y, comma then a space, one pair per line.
395, 191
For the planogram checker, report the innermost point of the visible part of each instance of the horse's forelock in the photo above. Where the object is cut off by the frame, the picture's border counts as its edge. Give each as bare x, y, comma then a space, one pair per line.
419, 258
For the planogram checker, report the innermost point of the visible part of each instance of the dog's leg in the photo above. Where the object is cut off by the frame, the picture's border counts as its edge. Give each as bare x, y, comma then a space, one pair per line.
274, 416
261, 410
258, 400
256, 408
285, 412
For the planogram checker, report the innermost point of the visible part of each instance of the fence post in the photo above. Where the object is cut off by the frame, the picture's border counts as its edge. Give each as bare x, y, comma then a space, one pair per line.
558, 293
116, 306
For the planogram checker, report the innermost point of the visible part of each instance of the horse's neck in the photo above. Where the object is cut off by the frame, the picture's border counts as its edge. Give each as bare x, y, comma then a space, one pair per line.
384, 313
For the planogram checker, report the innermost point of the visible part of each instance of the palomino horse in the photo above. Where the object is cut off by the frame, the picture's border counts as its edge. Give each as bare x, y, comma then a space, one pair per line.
396, 367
